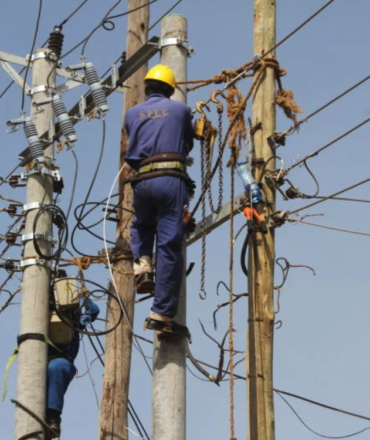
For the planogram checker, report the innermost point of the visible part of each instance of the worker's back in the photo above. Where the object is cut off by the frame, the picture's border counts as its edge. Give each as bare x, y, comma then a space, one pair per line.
158, 125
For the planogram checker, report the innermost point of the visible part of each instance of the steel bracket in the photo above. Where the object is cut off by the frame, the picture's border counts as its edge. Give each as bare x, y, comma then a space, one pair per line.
36, 56
31, 206
177, 41
43, 171
34, 261
37, 89
45, 237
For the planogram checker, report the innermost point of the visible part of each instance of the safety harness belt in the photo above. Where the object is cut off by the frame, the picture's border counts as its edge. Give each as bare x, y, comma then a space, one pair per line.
21, 338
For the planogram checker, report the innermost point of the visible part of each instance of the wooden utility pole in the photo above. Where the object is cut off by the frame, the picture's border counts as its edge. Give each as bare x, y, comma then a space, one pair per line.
262, 256
118, 344
32, 362
169, 373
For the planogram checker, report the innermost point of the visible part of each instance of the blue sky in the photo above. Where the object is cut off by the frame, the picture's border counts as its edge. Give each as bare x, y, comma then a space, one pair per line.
321, 350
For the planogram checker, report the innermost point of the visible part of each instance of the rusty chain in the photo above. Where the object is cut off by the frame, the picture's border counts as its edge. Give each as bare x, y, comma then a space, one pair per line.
220, 167
202, 293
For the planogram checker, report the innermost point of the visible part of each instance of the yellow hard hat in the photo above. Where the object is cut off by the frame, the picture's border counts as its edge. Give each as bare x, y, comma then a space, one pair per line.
162, 73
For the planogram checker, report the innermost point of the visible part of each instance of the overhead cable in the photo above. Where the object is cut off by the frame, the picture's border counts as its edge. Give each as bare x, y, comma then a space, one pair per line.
329, 197
329, 227
46, 41
317, 152
31, 52
315, 432
299, 27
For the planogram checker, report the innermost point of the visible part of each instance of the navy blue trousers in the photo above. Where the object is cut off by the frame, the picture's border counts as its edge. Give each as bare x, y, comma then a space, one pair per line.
61, 371
159, 208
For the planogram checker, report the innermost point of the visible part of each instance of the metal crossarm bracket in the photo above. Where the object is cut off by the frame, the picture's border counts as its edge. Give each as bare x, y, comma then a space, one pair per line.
34, 261
14, 75
215, 220
127, 69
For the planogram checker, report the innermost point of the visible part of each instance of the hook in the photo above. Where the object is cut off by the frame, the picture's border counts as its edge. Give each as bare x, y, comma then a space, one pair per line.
199, 107
220, 107
214, 94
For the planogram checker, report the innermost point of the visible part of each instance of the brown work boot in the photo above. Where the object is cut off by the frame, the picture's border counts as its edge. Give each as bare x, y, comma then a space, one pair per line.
170, 327
53, 419
54, 430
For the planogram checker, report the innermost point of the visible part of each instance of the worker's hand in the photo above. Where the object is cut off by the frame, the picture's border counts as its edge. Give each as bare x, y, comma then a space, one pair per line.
190, 226
191, 185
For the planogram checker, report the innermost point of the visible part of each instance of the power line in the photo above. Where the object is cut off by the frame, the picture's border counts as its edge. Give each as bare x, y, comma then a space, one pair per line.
299, 27
315, 432
43, 44
317, 152
329, 197
329, 227
73, 13
337, 98
31, 52
167, 12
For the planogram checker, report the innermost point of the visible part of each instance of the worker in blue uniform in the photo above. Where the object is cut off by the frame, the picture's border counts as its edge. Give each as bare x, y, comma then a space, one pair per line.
160, 135
61, 371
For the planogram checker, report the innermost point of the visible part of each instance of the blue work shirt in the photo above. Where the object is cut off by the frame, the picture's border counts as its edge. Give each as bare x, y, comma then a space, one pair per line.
158, 125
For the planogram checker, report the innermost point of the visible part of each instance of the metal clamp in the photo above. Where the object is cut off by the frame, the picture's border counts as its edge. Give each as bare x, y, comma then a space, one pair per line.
37, 89
44, 172
31, 206
45, 237
34, 261
176, 41
36, 56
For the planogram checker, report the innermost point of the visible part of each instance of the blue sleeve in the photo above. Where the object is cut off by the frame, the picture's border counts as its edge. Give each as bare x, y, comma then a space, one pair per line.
189, 132
95, 310
126, 123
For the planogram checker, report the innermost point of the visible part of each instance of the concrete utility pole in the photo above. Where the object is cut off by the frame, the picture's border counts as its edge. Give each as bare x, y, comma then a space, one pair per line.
169, 375
32, 362
118, 345
262, 257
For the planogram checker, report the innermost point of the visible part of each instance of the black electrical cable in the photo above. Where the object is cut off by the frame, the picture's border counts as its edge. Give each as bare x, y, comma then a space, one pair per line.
73, 192
299, 27
317, 152
167, 12
315, 432
31, 52
101, 24
62, 231
135, 418
95, 205
243, 255
90, 188
90, 293
73, 13
86, 39
306, 196
131, 10
46, 41
362, 182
